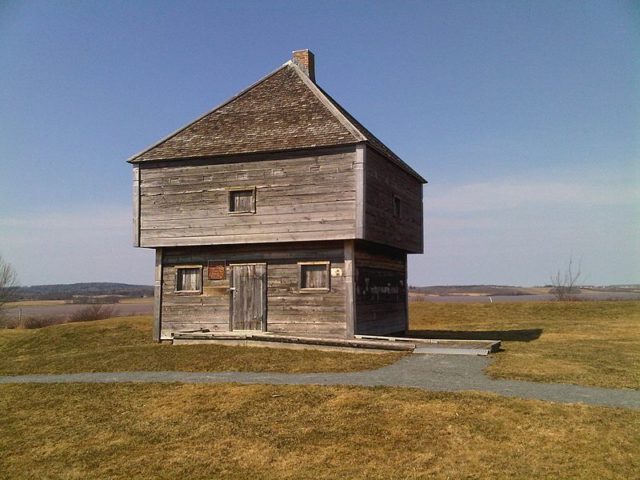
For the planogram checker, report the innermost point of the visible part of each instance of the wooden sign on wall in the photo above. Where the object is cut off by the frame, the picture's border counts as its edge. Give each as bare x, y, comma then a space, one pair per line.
216, 271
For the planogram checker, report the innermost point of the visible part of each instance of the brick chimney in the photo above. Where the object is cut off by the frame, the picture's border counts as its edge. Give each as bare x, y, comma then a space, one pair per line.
305, 60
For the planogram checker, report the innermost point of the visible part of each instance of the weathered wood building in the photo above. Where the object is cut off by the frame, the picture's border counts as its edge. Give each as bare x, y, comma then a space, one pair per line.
278, 212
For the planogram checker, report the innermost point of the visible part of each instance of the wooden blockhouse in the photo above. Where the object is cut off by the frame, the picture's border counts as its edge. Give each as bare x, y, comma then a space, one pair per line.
278, 212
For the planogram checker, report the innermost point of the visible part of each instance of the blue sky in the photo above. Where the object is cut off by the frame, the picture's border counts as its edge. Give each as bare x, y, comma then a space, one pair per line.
523, 116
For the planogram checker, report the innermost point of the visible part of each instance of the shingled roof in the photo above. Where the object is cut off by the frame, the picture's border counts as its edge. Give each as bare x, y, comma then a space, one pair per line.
283, 111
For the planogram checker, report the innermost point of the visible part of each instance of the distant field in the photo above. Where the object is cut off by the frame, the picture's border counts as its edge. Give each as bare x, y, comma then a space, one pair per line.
531, 296
586, 343
58, 308
34, 303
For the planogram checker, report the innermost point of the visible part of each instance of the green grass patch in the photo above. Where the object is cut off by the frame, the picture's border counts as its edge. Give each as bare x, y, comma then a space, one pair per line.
124, 344
76, 431
586, 343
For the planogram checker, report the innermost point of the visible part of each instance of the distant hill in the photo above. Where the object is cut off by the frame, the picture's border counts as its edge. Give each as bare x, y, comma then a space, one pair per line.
509, 290
67, 291
444, 290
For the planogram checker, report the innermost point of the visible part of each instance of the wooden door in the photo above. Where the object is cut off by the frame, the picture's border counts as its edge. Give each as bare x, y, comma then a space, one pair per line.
249, 297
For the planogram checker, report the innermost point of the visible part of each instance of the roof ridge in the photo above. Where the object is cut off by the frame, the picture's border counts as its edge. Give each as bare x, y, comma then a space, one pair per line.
218, 107
291, 130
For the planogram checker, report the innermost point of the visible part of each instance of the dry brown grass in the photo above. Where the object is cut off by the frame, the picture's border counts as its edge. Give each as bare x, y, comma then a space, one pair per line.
137, 300
286, 432
586, 343
124, 344
93, 312
34, 303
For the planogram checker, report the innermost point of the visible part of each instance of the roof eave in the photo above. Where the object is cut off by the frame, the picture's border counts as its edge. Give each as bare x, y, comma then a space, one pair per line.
248, 153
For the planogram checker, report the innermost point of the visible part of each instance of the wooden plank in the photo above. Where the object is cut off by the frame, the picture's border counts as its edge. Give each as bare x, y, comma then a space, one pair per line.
136, 206
253, 158
169, 327
343, 226
277, 254
245, 238
360, 170
237, 307
194, 197
157, 297
406, 296
217, 183
188, 213
262, 270
251, 221
349, 282
324, 330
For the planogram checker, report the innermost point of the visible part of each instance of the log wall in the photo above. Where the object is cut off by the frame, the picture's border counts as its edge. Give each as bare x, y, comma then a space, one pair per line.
302, 198
383, 182
381, 290
289, 311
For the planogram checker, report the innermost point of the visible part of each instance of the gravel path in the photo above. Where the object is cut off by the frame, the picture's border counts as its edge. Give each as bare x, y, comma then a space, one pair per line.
429, 372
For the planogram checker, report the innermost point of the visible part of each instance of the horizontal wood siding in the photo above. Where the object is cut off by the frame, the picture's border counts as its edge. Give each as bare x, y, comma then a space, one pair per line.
289, 311
296, 199
386, 313
383, 181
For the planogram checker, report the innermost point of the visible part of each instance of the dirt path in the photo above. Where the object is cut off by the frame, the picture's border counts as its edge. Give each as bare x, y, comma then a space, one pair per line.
429, 372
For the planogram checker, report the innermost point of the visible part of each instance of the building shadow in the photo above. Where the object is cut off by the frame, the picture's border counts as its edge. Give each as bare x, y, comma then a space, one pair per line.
527, 335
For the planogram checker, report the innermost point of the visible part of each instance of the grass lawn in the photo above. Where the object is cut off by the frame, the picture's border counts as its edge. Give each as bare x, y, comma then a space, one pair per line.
586, 343
77, 431
124, 344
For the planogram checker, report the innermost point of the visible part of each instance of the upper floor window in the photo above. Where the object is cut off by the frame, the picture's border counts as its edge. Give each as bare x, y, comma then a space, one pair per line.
189, 279
242, 200
397, 206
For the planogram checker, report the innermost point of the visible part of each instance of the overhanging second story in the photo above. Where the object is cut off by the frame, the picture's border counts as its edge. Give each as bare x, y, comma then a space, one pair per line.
279, 162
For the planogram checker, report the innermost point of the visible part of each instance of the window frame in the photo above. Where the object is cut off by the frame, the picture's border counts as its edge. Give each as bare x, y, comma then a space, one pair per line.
327, 288
232, 190
198, 281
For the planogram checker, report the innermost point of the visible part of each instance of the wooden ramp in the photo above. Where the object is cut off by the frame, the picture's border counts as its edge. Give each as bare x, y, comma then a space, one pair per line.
443, 346
360, 343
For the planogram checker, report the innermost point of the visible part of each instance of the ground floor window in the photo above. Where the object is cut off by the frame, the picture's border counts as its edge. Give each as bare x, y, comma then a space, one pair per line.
314, 276
189, 279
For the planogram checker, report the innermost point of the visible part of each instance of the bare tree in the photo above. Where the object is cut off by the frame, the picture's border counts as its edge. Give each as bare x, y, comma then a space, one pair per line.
93, 312
8, 282
565, 282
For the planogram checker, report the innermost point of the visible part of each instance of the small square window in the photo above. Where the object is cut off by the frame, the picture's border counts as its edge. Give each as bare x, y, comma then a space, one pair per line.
314, 276
242, 201
397, 206
189, 279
